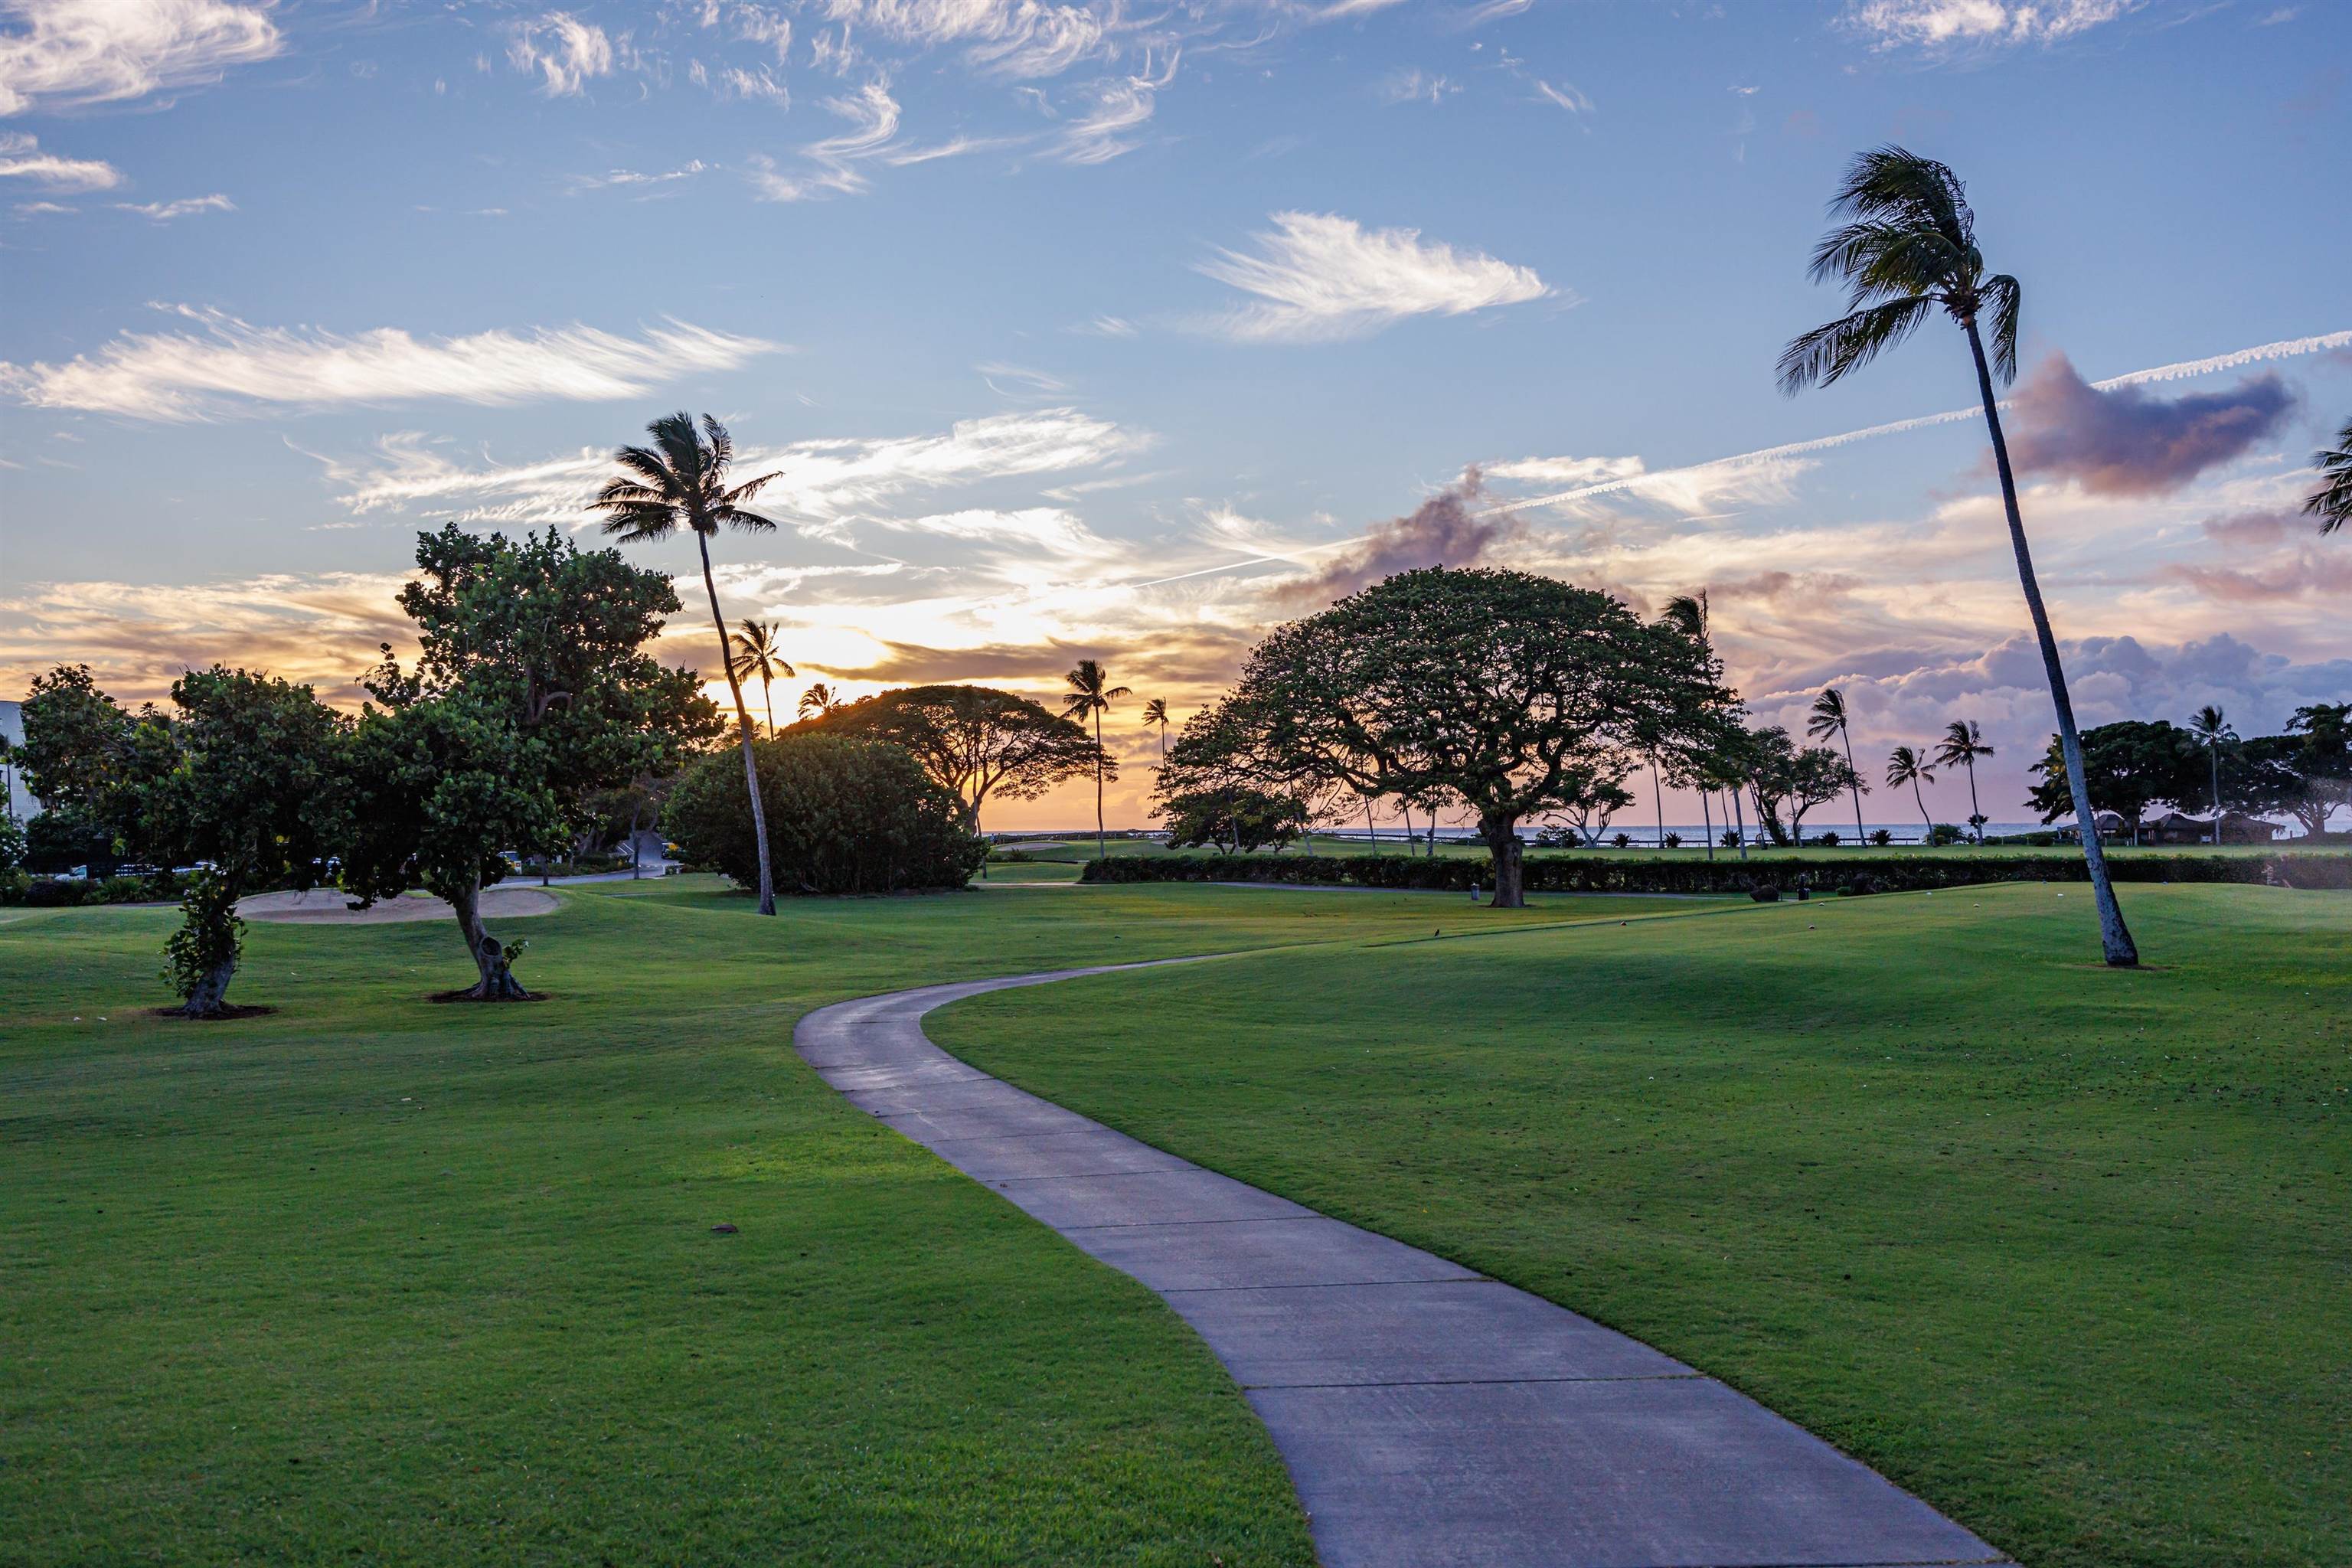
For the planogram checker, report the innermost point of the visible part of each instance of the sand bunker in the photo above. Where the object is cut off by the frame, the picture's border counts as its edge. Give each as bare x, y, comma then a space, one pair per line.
326, 906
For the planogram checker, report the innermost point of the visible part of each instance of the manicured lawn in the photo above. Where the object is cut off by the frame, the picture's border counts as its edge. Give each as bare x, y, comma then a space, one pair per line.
371, 1279
2067, 1251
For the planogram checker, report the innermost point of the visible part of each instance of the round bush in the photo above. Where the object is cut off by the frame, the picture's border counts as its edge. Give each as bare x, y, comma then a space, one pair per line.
845, 815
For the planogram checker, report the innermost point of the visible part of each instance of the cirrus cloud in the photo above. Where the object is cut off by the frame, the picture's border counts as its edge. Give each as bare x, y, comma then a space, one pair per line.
228, 364
1318, 276
66, 52
21, 158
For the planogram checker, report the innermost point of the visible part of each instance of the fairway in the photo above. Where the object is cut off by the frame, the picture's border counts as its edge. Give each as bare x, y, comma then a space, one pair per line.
370, 1279
2063, 1250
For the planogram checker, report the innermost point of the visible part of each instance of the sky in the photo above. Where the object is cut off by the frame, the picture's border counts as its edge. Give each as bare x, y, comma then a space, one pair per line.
1129, 331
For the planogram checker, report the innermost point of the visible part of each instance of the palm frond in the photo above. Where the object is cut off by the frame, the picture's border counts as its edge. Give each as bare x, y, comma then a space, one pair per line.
648, 465
1999, 297
1895, 185
1831, 351
722, 445
735, 517
2332, 501
674, 434
637, 521
748, 488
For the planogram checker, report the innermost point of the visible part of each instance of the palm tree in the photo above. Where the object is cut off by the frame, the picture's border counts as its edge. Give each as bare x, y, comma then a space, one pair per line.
1962, 745
1905, 766
1829, 718
681, 482
2213, 732
818, 701
1091, 694
1909, 251
751, 650
1156, 712
2332, 501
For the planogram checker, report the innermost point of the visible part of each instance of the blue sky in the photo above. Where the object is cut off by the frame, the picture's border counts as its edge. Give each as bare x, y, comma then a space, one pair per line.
1036, 307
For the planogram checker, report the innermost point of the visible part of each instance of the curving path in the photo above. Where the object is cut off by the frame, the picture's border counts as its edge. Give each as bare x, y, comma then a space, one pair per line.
1428, 1417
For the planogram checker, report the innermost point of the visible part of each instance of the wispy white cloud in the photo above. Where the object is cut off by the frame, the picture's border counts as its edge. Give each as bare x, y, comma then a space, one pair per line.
1107, 327
1568, 96
1947, 24
561, 48
21, 158
822, 484
65, 52
226, 364
1320, 276
1414, 85
1021, 38
164, 212
1116, 105
635, 179
833, 166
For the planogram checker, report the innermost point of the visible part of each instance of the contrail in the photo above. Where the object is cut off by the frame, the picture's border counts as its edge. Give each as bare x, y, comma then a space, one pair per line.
2286, 348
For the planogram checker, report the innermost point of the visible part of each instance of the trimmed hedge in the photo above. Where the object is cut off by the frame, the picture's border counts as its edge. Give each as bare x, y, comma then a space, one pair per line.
1876, 873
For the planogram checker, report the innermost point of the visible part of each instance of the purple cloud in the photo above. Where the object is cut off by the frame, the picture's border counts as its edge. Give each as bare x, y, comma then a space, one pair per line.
1441, 531
2127, 442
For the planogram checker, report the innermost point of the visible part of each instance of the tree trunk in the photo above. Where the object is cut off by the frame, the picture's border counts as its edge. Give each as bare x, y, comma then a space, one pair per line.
498, 983
743, 732
210, 998
1861, 835
2114, 937
1102, 841
2215, 752
1371, 831
1706, 823
1740, 821
768, 697
1658, 794
1976, 811
1923, 810
1502, 838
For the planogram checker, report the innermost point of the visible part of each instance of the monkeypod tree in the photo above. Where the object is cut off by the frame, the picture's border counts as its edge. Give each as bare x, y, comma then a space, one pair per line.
1784, 776
2129, 765
1512, 692
973, 739
257, 790
533, 690
94, 766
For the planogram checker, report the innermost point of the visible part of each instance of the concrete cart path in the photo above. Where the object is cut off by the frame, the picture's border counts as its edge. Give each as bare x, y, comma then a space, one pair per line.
1429, 1417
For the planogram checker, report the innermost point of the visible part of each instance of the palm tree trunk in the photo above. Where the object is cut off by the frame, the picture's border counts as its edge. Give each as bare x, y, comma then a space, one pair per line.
768, 696
743, 731
2214, 754
1706, 822
2114, 937
1861, 838
1742, 819
1658, 794
1975, 810
1923, 809
1370, 831
1102, 839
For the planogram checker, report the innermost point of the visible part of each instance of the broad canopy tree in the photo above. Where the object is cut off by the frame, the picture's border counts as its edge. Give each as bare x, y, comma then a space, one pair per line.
981, 742
1785, 777
94, 766
1509, 691
533, 690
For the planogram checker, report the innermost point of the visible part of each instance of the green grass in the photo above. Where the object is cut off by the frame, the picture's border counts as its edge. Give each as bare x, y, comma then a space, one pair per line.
1074, 849
2067, 1251
371, 1279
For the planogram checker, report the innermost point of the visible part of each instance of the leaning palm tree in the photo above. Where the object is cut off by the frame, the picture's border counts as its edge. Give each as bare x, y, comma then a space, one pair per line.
751, 650
2211, 730
1962, 745
818, 701
681, 482
1905, 766
1909, 251
1829, 718
1091, 694
1156, 712
2332, 501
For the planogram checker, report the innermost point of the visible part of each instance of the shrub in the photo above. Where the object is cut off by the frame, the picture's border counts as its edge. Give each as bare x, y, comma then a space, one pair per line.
1880, 836
1622, 841
1944, 832
845, 815
12, 840
56, 892
200, 957
1828, 841
1674, 840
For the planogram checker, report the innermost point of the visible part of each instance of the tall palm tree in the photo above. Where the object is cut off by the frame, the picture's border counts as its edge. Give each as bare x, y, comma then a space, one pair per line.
1156, 712
1910, 250
1091, 694
1962, 745
1829, 717
2213, 732
818, 701
2332, 501
681, 482
1905, 766
751, 650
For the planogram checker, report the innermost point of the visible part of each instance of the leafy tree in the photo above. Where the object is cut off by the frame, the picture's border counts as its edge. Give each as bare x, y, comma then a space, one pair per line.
257, 790
94, 768
2332, 501
852, 815
681, 482
12, 843
532, 690
751, 650
1784, 776
975, 740
1828, 718
1907, 766
2307, 770
1091, 694
1233, 818
2131, 764
1962, 745
2210, 729
1513, 693
1908, 251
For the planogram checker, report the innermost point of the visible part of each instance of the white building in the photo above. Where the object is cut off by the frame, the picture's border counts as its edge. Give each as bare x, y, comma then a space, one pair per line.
20, 801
